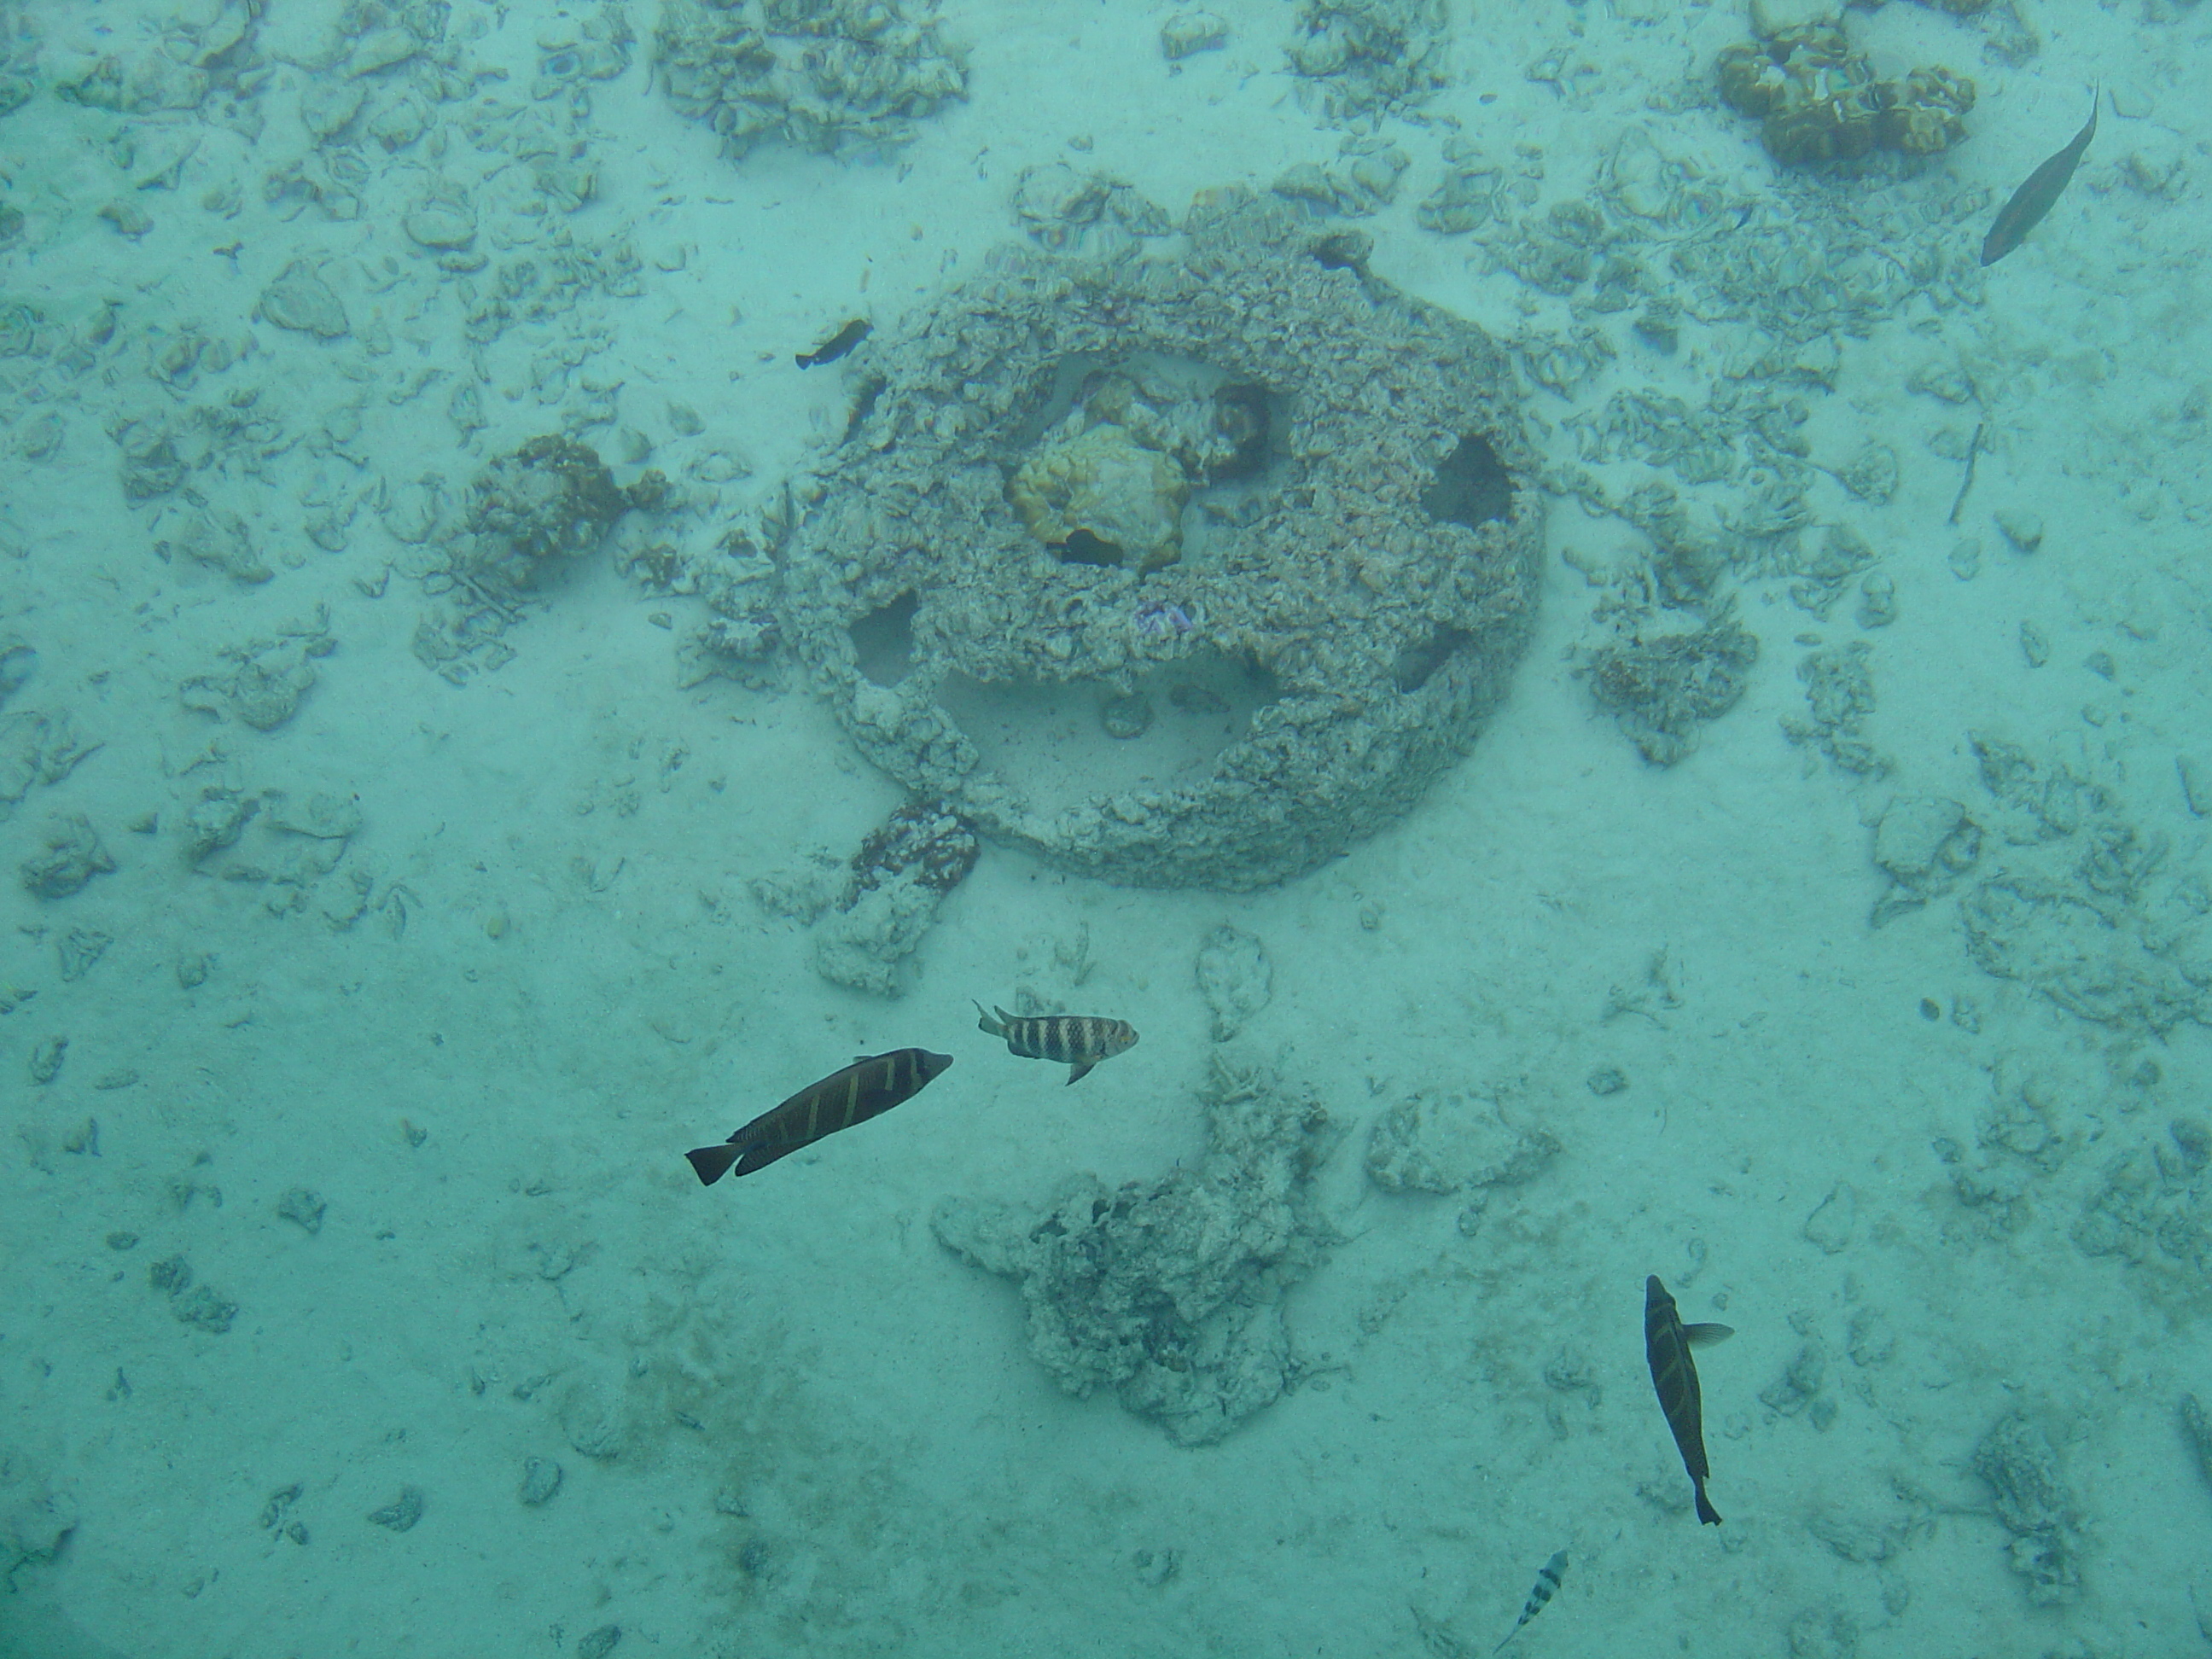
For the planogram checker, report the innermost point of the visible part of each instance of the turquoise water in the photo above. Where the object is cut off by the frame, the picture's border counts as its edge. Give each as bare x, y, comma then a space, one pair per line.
1606, 699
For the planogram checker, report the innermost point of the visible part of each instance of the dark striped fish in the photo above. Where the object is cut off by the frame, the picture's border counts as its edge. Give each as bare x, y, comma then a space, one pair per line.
1081, 1040
1547, 1586
2033, 199
1667, 1345
869, 1087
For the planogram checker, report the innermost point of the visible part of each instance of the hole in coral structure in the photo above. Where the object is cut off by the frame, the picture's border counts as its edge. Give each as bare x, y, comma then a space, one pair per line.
1063, 394
1061, 745
1241, 415
882, 641
1244, 414
1416, 663
1083, 548
1472, 487
864, 405
1346, 250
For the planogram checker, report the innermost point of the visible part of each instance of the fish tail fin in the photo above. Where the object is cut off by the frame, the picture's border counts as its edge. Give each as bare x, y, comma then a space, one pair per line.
712, 1163
1706, 1513
986, 1023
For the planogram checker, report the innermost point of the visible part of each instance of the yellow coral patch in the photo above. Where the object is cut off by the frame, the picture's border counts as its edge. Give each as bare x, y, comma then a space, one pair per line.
1103, 484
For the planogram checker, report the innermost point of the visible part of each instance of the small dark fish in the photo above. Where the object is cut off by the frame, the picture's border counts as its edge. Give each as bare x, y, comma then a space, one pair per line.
1667, 1345
837, 345
1080, 1040
1974, 453
2196, 1428
1547, 1586
2033, 199
870, 1086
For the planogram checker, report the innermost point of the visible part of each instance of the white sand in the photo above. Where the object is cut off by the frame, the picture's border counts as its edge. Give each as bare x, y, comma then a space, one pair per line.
794, 1363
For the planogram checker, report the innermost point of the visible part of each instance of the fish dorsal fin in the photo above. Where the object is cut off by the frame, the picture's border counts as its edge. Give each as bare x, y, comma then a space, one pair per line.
1705, 1336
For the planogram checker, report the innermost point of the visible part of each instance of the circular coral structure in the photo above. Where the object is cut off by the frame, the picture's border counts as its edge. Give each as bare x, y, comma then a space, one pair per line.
1355, 552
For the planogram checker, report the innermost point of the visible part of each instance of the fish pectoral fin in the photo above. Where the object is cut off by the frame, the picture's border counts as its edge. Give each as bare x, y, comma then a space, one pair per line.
1076, 1072
1705, 1336
762, 1154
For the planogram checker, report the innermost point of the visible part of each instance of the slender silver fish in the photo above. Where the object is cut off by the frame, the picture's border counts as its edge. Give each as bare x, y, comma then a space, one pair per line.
2033, 199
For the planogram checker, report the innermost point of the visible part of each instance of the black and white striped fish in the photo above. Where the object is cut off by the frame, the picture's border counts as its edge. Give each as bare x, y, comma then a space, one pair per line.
1081, 1040
1547, 1586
